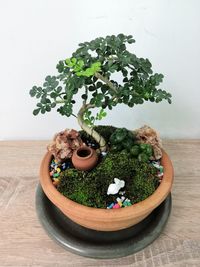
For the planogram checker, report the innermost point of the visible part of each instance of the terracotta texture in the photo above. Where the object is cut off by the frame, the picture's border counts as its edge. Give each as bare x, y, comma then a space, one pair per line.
103, 219
84, 158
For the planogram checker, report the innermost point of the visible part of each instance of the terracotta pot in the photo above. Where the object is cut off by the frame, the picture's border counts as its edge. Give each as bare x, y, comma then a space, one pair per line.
104, 219
84, 158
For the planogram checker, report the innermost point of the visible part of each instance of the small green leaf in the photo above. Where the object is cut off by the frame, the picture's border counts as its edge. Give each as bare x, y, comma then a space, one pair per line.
98, 85
80, 63
73, 60
60, 66
125, 80
43, 100
59, 89
53, 105
104, 88
68, 62
38, 95
48, 78
104, 114
43, 110
36, 111
121, 36
84, 96
39, 105
48, 108
53, 95
91, 88
33, 91
80, 73
124, 72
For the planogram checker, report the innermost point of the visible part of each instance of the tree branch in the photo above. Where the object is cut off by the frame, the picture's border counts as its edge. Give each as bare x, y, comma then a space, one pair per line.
60, 101
99, 139
107, 81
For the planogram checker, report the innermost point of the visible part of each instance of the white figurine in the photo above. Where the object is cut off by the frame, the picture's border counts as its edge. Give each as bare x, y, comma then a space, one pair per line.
114, 188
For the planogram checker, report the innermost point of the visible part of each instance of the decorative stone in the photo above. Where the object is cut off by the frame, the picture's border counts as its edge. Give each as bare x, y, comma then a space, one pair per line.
58, 170
103, 153
110, 206
56, 181
116, 206
127, 203
119, 203
122, 198
51, 173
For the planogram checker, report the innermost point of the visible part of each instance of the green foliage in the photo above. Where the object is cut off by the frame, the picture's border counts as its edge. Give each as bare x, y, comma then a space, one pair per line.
147, 149
73, 186
90, 69
144, 183
122, 139
89, 119
90, 188
135, 150
143, 152
143, 157
78, 67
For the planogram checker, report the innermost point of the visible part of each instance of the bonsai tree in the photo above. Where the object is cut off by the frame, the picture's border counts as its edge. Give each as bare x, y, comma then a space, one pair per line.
89, 72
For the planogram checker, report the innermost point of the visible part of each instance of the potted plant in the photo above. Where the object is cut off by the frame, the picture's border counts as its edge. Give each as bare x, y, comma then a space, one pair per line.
89, 73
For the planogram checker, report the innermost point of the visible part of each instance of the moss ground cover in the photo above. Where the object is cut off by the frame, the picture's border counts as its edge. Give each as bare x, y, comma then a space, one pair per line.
90, 187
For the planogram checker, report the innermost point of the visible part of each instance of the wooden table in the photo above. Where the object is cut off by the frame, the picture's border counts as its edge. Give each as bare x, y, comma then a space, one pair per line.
23, 241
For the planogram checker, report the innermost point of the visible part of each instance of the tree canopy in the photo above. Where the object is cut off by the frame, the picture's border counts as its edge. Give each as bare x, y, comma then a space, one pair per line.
90, 70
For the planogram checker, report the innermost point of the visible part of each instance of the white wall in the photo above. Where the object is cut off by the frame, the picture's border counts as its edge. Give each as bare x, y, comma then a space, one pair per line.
35, 34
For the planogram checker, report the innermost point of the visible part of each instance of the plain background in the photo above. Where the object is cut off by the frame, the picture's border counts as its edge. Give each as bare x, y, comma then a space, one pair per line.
36, 34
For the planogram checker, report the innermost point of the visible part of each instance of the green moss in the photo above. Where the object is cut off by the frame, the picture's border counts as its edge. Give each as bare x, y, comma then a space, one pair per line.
90, 188
144, 182
81, 195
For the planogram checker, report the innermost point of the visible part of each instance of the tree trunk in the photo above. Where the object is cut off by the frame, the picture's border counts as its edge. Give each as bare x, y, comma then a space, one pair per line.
98, 138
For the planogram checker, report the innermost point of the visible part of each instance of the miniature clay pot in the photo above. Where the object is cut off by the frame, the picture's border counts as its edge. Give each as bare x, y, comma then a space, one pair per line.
106, 219
84, 158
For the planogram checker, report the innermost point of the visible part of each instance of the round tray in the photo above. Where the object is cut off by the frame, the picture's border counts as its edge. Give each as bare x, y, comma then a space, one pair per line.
98, 244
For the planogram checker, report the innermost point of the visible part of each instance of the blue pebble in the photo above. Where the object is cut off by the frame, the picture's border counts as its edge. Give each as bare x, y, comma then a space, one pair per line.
110, 206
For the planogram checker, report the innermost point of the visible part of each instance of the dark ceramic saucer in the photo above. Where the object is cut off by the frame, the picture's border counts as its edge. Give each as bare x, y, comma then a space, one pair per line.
98, 244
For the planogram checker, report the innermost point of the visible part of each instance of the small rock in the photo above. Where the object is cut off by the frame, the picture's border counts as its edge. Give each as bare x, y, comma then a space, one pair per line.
51, 173
119, 203
56, 181
110, 206
58, 170
116, 206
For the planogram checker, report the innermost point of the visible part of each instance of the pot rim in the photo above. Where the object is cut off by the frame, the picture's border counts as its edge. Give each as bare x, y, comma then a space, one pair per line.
137, 209
83, 148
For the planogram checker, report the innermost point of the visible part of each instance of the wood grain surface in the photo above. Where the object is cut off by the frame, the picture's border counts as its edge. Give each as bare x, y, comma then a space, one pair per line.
23, 241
